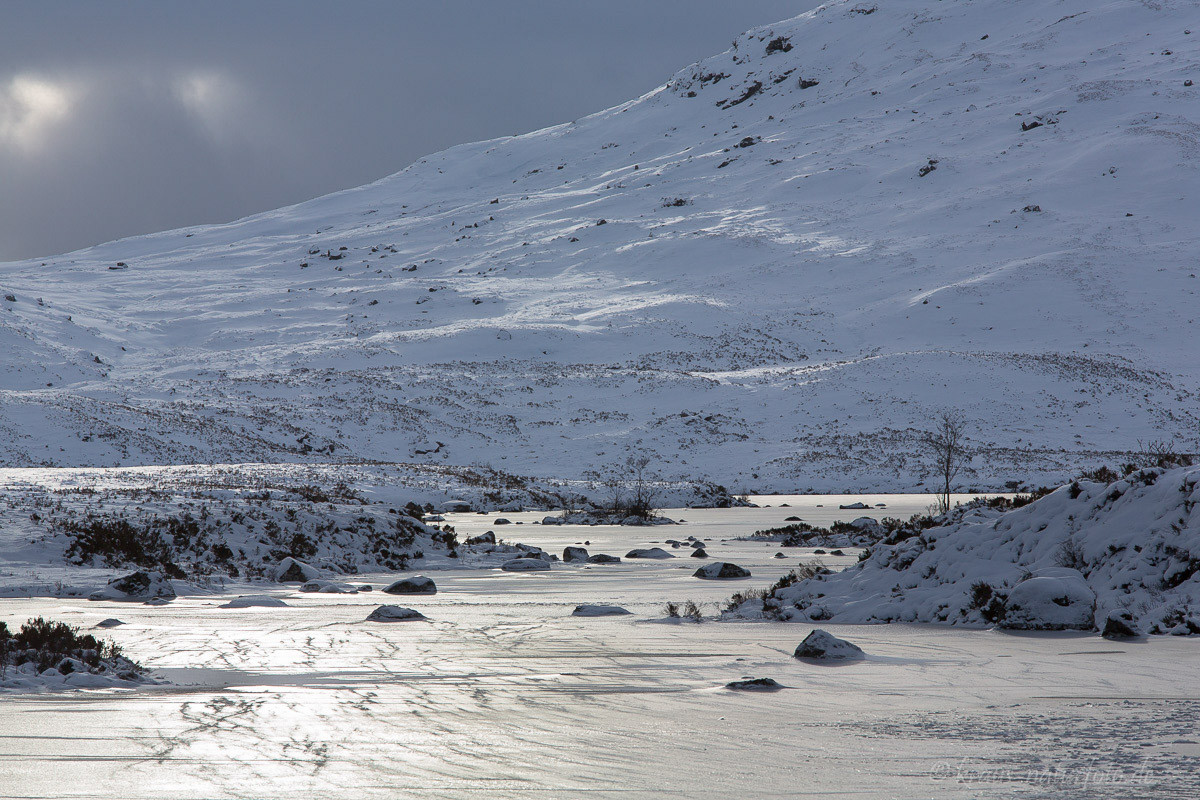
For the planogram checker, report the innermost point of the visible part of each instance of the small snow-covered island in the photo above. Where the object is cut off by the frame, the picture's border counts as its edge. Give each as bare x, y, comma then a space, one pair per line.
823, 422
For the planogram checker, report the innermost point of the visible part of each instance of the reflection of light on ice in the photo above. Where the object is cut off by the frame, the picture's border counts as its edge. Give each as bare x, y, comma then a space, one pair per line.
503, 693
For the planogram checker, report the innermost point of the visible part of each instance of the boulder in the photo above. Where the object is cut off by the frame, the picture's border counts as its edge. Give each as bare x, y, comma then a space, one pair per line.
780, 555
418, 584
699, 552
552, 520
329, 587
394, 614
502, 521
1120, 625
755, 685
111, 622
591, 610
575, 555
456, 507
1057, 599
138, 585
254, 601
721, 570
603, 558
525, 565
853, 506
483, 538
292, 571
792, 518
648, 552
822, 646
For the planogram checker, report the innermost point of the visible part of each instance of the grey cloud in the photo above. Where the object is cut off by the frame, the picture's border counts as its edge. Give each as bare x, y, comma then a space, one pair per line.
186, 113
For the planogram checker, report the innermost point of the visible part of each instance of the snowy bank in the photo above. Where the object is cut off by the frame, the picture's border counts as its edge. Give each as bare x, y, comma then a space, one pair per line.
1083, 555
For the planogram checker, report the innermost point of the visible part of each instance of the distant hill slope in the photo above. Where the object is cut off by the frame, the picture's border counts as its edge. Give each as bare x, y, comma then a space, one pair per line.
772, 271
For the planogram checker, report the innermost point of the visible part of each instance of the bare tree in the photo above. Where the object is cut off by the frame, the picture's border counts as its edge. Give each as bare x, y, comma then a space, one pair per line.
945, 443
642, 491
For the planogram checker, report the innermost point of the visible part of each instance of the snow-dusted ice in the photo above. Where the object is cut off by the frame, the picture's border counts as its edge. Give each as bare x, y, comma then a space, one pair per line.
502, 691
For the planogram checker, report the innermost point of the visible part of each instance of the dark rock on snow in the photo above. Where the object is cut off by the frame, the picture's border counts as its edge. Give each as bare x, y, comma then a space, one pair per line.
418, 584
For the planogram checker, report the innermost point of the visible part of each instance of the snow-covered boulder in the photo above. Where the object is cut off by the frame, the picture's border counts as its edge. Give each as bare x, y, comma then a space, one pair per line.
574, 555
823, 646
111, 622
417, 584
1056, 599
596, 610
138, 585
456, 507
552, 519
648, 552
483, 538
1119, 625
603, 558
525, 565
721, 570
699, 552
868, 525
394, 614
291, 570
254, 601
853, 506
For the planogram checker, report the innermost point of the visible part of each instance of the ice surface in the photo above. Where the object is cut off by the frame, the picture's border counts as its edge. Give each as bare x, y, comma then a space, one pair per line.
503, 693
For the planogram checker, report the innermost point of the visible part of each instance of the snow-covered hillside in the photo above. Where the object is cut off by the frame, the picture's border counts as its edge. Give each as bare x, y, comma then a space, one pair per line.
772, 271
1129, 550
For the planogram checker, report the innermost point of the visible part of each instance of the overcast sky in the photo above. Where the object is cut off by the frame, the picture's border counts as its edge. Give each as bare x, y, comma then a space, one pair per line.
118, 118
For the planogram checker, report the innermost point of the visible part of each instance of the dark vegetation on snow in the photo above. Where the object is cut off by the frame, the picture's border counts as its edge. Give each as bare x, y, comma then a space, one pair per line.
60, 646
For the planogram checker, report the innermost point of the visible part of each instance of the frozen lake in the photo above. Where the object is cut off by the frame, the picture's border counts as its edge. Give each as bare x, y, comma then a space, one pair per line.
503, 694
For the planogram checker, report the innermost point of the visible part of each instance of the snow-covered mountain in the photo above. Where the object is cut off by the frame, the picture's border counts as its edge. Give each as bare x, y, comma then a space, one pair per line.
772, 271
